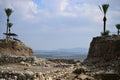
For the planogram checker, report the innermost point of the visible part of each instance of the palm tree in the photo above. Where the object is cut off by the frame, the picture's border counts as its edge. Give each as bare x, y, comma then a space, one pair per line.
118, 27
8, 12
104, 9
9, 26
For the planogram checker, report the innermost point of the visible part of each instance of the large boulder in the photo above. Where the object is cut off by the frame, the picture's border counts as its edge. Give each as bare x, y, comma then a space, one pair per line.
14, 47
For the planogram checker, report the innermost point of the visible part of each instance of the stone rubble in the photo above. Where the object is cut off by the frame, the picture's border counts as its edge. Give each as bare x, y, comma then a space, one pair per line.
4, 59
7, 73
43, 69
26, 75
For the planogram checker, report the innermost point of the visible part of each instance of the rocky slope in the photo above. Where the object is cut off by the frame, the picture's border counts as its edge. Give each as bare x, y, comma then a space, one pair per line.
14, 47
104, 49
104, 57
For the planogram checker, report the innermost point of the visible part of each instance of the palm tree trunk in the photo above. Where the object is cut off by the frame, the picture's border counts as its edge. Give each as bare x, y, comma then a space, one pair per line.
118, 31
104, 20
7, 28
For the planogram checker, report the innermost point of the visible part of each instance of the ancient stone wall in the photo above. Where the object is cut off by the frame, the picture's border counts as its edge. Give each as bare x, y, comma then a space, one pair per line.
15, 59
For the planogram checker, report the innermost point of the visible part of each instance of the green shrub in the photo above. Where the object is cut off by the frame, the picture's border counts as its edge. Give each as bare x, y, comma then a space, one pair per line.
106, 33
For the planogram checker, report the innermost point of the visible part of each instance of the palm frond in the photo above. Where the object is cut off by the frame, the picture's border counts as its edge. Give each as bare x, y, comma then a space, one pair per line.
105, 8
10, 25
117, 26
8, 11
100, 7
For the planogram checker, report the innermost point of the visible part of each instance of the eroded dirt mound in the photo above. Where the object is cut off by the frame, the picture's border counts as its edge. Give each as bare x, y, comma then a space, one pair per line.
14, 47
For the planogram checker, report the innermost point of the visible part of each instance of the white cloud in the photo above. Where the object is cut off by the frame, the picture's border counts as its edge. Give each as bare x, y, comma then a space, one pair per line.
27, 9
63, 5
24, 9
60, 18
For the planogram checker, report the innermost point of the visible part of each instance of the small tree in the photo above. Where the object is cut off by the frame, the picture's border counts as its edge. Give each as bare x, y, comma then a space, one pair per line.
9, 27
104, 9
118, 27
8, 12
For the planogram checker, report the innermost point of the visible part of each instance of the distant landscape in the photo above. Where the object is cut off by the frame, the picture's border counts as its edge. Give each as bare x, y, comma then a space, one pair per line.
73, 53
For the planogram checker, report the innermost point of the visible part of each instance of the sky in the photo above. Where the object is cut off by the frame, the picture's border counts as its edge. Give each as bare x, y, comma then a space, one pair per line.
55, 24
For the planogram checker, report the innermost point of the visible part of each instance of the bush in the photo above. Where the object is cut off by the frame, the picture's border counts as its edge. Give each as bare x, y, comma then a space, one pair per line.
106, 33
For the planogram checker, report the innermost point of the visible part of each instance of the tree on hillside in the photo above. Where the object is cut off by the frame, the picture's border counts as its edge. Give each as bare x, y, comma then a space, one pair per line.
118, 27
8, 12
104, 9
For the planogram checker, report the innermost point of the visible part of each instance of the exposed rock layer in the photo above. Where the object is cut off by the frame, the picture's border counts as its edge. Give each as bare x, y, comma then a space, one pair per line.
103, 49
14, 47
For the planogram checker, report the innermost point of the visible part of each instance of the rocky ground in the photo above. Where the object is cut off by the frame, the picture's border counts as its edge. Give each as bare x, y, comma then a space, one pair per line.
58, 69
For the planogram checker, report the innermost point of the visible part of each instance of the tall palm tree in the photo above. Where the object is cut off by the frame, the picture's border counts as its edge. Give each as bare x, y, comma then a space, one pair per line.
118, 27
104, 9
8, 12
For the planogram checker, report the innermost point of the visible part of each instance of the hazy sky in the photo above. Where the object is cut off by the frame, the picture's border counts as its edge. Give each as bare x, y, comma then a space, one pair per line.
54, 24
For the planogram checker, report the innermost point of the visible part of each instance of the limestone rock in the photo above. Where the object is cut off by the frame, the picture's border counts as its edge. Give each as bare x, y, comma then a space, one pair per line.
84, 77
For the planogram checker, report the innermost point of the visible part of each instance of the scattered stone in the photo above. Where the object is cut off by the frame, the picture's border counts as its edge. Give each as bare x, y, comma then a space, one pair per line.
84, 77
25, 64
16, 59
50, 70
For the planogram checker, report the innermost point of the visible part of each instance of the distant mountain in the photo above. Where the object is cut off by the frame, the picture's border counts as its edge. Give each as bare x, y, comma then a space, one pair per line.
73, 53
71, 50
